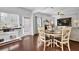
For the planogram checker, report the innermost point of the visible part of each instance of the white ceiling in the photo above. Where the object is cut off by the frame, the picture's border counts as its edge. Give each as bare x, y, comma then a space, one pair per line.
53, 10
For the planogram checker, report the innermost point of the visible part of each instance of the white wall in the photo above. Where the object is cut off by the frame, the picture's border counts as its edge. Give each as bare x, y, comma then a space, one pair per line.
75, 30
74, 16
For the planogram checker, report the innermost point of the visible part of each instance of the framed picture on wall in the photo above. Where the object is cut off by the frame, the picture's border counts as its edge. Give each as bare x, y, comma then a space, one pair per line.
64, 22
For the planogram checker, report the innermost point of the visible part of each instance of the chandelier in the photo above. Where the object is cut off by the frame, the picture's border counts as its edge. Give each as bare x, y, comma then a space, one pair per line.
61, 12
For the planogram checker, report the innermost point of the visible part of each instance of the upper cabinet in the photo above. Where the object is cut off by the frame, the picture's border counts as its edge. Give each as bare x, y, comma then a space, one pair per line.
9, 20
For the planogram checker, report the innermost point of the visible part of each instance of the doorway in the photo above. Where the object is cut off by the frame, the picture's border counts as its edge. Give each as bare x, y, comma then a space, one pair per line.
26, 23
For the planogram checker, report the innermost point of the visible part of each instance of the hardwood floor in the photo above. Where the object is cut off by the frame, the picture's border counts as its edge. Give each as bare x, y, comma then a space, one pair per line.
29, 43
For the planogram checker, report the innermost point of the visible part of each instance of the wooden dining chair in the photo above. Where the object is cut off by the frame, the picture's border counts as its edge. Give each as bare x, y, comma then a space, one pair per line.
42, 37
64, 38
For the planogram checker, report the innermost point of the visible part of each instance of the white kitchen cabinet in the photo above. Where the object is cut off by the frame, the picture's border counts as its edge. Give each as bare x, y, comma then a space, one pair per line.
9, 20
6, 35
75, 34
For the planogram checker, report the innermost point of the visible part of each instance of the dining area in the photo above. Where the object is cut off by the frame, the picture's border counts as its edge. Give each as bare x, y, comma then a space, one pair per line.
41, 32
51, 36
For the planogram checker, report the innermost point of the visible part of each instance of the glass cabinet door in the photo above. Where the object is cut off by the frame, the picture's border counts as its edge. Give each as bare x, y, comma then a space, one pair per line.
3, 17
9, 20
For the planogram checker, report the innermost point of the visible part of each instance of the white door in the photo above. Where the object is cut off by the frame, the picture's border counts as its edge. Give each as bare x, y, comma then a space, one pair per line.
26, 26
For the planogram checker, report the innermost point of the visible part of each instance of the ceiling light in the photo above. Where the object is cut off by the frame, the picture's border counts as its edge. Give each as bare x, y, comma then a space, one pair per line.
61, 12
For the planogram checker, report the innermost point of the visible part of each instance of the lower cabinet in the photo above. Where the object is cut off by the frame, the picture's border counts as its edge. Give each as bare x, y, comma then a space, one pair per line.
74, 34
8, 36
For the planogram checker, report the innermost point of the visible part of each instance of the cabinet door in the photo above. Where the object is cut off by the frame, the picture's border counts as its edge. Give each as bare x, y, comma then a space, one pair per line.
3, 18
9, 20
75, 34
13, 20
26, 26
